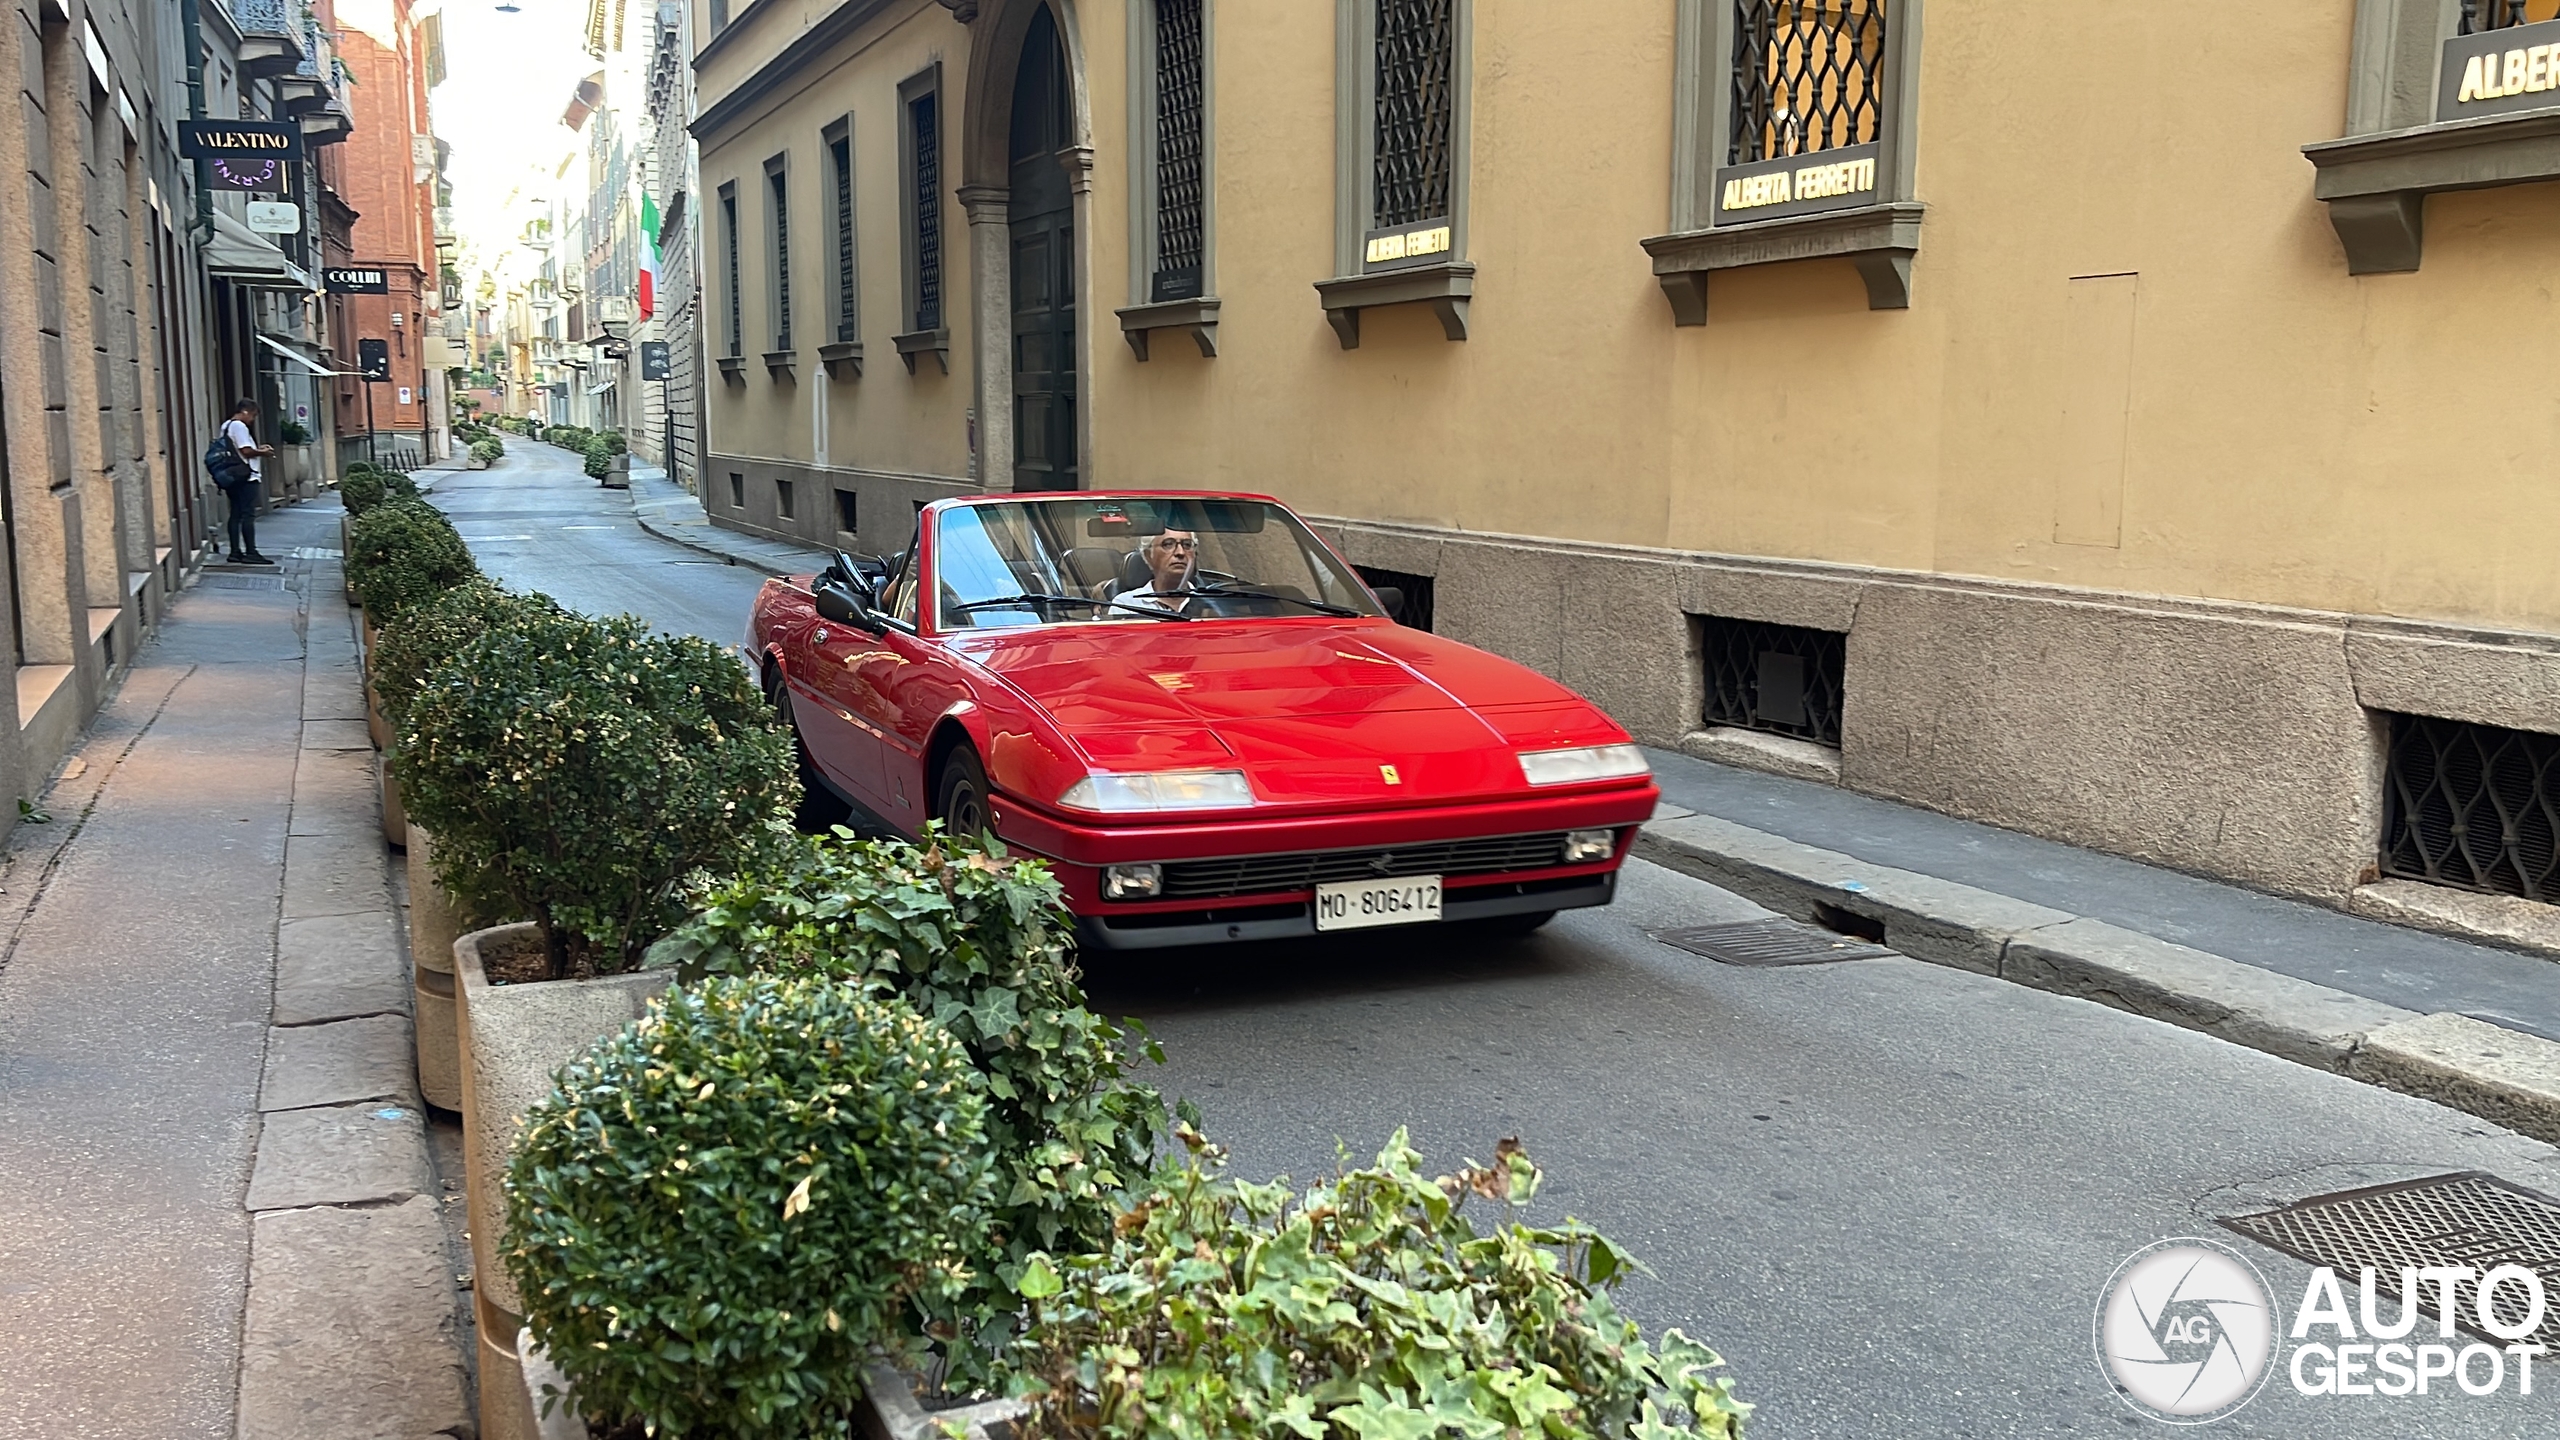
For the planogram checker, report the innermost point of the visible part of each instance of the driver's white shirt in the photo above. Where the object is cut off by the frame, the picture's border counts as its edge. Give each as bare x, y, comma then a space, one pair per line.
1149, 595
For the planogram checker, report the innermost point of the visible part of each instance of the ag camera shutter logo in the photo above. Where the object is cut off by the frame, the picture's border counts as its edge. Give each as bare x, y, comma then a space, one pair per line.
2186, 1331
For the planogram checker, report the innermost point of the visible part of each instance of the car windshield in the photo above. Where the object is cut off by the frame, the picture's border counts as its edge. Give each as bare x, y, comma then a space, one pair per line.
1139, 560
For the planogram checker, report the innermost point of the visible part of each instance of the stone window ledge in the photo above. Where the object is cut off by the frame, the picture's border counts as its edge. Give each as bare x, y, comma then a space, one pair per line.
1196, 318
733, 369
1445, 287
1879, 239
2377, 185
936, 343
842, 359
779, 363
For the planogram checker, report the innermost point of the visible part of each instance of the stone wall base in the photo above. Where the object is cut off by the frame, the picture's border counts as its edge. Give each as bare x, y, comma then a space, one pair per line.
885, 502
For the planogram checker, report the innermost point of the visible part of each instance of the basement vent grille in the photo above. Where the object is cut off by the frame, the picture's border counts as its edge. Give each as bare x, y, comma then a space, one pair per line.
1785, 679
1417, 593
2468, 1219
1768, 943
2475, 807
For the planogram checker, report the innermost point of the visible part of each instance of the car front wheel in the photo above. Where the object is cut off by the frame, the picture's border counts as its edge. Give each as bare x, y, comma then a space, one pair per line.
960, 798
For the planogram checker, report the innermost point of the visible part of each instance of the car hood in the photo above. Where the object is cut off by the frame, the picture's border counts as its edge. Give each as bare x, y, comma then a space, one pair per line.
1318, 714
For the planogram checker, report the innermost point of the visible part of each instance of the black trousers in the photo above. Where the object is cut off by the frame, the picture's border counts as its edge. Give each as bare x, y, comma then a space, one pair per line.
243, 524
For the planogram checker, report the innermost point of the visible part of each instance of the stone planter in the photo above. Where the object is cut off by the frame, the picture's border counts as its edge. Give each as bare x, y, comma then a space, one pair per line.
889, 1410
512, 1037
373, 721
346, 543
395, 819
301, 480
433, 927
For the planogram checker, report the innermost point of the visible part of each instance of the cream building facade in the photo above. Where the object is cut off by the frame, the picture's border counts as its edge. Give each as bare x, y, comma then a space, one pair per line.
2037, 415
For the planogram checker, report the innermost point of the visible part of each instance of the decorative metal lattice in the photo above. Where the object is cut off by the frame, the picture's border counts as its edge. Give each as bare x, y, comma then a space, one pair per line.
840, 152
925, 125
1785, 679
2476, 807
1179, 197
1417, 65
1417, 591
2482, 16
1807, 75
781, 259
729, 237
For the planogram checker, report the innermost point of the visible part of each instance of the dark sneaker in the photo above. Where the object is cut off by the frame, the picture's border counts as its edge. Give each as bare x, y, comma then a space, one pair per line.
254, 558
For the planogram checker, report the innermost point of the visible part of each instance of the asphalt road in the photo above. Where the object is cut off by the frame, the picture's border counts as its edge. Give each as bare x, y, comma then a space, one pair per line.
1890, 1193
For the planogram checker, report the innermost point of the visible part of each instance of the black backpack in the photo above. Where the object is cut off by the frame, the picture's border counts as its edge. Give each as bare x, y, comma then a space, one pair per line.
223, 459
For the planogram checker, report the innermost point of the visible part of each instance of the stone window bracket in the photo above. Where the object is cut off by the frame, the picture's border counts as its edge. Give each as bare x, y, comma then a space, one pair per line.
733, 369
843, 359
1880, 240
936, 343
780, 363
1195, 318
1445, 288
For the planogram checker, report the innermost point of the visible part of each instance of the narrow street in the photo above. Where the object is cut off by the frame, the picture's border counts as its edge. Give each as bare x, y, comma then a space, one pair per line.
1889, 1192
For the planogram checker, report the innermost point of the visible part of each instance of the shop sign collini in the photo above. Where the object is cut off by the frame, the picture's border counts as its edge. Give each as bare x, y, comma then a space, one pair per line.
1834, 179
2500, 72
355, 280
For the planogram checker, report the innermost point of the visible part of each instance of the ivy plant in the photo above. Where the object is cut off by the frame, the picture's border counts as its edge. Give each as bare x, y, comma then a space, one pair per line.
981, 941
579, 772
1371, 1306
719, 1213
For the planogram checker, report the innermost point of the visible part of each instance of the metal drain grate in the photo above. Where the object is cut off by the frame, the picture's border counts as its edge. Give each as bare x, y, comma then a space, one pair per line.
1769, 943
2464, 1219
244, 582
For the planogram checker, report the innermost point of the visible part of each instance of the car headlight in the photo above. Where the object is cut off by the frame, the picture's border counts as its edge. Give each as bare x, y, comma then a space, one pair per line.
1161, 790
1590, 762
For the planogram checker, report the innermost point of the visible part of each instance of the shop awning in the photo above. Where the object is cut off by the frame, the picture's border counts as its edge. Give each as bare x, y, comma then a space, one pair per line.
244, 257
302, 355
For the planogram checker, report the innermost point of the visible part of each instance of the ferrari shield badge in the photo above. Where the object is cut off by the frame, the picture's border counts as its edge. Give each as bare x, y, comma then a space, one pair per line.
1388, 774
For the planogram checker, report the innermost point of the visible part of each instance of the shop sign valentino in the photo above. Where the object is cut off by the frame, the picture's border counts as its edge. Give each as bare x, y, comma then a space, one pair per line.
2500, 72
239, 140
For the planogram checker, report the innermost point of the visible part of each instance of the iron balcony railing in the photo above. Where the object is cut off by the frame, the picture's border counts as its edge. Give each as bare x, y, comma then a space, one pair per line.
1808, 75
268, 17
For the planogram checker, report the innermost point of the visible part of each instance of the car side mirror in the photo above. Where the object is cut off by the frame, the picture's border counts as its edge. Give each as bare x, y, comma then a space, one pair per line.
1392, 598
838, 603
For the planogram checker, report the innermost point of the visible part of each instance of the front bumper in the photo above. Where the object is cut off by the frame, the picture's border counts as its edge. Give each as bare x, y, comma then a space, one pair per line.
1295, 920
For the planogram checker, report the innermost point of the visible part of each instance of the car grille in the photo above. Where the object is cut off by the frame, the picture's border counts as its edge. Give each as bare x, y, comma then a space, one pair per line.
1266, 874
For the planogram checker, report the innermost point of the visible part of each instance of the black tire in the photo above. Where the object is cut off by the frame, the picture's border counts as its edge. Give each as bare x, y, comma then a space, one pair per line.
960, 794
820, 810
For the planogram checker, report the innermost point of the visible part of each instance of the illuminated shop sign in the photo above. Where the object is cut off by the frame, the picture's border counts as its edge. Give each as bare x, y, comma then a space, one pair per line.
1834, 179
2500, 72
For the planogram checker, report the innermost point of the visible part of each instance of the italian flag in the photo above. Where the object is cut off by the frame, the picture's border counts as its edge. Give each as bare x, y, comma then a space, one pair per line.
648, 255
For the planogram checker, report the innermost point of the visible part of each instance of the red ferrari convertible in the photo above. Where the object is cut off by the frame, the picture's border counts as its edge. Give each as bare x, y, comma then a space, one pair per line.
1193, 708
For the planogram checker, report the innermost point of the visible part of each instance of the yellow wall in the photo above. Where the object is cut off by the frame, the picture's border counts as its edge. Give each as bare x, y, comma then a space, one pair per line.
887, 420
2290, 434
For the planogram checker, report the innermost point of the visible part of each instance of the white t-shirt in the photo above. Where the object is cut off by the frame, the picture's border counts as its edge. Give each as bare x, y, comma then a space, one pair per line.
1151, 597
238, 437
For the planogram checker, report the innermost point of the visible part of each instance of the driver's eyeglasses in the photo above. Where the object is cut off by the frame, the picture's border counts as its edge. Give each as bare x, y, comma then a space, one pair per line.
1179, 544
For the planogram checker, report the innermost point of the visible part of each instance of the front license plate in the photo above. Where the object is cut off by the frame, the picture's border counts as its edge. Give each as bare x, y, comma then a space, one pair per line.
1358, 904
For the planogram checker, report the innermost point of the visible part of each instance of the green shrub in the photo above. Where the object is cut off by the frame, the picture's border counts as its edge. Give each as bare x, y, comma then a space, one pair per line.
294, 432
425, 634
1370, 1307
404, 551
361, 489
982, 942
487, 451
722, 1210
578, 770
602, 446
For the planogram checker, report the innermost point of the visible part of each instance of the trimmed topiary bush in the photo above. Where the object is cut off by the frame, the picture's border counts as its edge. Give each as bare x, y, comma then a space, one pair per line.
1370, 1306
404, 551
487, 451
578, 771
722, 1210
602, 446
361, 489
427, 633
982, 942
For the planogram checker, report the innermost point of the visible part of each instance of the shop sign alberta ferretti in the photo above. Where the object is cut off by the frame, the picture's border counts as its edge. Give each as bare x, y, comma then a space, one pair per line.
2500, 72
1833, 179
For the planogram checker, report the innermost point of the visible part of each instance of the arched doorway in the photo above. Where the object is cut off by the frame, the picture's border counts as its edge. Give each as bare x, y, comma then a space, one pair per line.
1040, 206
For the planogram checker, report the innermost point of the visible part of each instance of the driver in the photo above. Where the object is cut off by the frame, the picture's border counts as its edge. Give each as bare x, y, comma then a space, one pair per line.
1169, 558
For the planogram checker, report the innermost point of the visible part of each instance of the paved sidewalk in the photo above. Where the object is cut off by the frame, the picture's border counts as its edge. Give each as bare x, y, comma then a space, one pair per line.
218, 1213
2471, 1025
671, 512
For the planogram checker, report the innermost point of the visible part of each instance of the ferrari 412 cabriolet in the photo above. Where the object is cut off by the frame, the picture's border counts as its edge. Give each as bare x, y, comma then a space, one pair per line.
1201, 716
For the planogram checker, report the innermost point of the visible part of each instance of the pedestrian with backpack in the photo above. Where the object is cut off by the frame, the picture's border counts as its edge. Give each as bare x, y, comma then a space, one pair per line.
233, 458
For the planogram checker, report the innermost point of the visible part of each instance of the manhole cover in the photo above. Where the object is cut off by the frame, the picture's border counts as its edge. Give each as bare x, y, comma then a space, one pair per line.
244, 582
2467, 1219
1769, 942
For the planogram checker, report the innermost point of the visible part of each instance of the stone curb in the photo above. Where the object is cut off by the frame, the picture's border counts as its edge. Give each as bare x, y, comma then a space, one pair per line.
2500, 1075
748, 562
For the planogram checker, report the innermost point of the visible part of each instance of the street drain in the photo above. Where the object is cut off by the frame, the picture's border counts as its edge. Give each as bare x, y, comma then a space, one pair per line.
1768, 943
2468, 1219
244, 582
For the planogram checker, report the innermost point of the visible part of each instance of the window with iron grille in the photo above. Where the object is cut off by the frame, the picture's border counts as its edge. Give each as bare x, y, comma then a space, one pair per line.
1785, 679
1414, 109
1416, 590
848, 514
778, 212
2475, 807
1808, 75
840, 170
737, 491
729, 249
924, 209
1181, 176
2481, 16
782, 498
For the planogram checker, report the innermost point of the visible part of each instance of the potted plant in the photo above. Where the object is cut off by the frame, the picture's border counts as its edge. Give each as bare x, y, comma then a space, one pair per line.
399, 553
294, 459
718, 1214
575, 772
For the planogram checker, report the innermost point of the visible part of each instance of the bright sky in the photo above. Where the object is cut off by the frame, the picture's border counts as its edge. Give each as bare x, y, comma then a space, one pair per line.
507, 78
